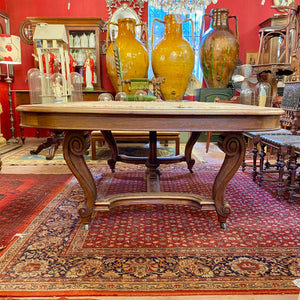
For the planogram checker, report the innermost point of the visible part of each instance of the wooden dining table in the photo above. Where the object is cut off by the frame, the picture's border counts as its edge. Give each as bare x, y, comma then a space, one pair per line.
77, 119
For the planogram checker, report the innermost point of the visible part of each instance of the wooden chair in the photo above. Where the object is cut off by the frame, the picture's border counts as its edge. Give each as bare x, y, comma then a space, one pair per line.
287, 60
290, 122
256, 138
289, 43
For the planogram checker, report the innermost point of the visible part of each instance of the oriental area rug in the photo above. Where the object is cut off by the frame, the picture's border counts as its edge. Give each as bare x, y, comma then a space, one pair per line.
157, 249
22, 197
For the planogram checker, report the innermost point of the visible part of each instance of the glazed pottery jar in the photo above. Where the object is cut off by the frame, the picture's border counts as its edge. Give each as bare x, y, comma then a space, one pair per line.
173, 59
130, 57
219, 49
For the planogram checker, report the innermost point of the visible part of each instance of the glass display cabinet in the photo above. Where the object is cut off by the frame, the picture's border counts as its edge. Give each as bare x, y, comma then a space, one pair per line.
84, 36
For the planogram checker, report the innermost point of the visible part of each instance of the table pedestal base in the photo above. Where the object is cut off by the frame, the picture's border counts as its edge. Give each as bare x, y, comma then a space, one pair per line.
76, 144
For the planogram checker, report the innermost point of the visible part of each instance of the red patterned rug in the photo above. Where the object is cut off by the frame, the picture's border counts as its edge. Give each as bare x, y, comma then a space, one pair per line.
158, 249
22, 197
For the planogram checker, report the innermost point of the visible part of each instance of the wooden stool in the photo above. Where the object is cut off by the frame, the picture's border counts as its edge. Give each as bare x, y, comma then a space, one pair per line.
134, 136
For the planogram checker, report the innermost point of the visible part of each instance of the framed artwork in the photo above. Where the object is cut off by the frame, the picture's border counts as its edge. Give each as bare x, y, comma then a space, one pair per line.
250, 58
26, 32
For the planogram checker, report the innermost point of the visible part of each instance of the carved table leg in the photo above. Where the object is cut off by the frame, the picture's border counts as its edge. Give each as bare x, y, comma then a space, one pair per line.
52, 142
234, 147
110, 140
189, 148
75, 146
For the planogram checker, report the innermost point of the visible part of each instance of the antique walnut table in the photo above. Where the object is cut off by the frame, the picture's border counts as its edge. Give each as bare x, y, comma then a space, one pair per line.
78, 118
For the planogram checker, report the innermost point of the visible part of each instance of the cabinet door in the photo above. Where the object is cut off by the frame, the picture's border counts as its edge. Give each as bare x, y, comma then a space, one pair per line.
81, 42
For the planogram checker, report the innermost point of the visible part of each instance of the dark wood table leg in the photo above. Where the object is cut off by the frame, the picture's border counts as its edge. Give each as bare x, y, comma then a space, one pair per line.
75, 147
234, 147
116, 156
52, 143
152, 164
22, 135
110, 140
189, 148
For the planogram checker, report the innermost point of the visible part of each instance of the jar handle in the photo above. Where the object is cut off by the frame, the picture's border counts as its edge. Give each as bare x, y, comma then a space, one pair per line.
236, 25
153, 31
203, 25
146, 32
107, 32
193, 35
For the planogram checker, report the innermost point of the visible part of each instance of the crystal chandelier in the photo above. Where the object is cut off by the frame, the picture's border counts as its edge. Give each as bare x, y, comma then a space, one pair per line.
180, 6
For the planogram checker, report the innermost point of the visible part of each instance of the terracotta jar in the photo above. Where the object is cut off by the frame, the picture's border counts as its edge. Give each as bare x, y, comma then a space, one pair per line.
219, 49
132, 56
173, 59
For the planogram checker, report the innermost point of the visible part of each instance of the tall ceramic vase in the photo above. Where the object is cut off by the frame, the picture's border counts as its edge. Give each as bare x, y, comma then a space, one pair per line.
219, 49
173, 59
126, 57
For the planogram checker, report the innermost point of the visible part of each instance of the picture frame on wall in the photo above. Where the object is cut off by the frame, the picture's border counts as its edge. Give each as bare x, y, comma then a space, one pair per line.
26, 32
250, 58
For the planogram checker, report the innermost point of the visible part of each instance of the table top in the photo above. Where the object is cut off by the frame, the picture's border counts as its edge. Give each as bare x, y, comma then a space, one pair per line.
150, 116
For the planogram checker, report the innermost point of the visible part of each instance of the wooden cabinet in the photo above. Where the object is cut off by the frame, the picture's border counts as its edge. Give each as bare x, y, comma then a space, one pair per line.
82, 29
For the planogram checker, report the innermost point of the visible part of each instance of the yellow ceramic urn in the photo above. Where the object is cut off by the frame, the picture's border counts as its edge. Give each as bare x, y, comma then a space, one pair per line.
173, 59
126, 57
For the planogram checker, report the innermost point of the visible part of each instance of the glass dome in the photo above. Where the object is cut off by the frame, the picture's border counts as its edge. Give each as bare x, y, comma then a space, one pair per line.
263, 94
105, 97
39, 87
247, 96
76, 87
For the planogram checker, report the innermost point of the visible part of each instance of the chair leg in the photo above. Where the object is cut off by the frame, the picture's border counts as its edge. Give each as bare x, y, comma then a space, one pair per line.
292, 170
281, 164
262, 155
254, 155
259, 54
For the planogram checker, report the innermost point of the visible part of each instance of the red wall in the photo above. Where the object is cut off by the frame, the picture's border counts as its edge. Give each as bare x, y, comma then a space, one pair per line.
3, 5
249, 13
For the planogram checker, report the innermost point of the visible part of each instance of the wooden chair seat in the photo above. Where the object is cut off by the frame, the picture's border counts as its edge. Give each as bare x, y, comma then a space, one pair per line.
135, 136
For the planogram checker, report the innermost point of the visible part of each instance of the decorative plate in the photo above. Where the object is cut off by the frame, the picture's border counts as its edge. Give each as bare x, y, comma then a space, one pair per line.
26, 32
